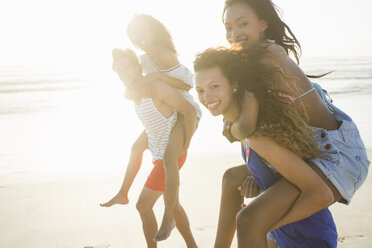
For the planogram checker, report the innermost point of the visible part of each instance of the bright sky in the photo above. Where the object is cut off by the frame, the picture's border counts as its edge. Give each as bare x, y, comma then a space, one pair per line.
70, 32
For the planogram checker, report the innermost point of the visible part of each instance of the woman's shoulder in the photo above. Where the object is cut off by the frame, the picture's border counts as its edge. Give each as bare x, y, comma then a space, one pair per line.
278, 56
181, 72
276, 50
169, 58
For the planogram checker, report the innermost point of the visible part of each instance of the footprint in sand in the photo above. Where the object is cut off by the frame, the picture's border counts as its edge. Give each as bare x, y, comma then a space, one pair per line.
201, 228
347, 238
97, 246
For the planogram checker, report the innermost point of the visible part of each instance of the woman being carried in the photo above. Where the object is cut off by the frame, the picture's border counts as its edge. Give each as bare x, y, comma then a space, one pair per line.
153, 38
249, 87
251, 23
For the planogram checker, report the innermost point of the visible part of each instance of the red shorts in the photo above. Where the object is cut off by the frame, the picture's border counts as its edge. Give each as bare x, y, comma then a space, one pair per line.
156, 179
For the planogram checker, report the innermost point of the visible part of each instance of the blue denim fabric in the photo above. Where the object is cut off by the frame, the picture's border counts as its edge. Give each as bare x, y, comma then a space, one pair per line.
345, 161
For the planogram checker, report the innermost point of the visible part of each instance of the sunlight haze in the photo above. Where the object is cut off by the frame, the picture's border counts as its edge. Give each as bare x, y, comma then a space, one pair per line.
76, 32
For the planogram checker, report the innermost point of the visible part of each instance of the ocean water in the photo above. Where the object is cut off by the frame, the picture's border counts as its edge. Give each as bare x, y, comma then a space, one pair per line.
53, 119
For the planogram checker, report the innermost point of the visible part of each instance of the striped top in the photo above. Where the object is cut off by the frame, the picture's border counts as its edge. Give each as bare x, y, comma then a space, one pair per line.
158, 127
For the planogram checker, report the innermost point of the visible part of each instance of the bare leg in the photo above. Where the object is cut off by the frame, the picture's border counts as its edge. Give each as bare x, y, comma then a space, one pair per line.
336, 195
172, 153
144, 206
264, 212
133, 167
255, 220
230, 205
183, 225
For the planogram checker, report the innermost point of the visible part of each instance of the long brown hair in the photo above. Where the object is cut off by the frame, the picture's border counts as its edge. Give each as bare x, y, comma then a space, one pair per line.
162, 37
253, 70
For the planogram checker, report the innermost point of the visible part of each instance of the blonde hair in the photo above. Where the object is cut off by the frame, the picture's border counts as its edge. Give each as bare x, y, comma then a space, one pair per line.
162, 37
128, 54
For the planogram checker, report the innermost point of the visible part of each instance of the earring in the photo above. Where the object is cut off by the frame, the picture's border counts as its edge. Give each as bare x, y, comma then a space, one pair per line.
235, 90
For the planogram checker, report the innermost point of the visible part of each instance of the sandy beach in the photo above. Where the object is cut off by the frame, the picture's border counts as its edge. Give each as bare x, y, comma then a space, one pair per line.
66, 131
60, 157
63, 210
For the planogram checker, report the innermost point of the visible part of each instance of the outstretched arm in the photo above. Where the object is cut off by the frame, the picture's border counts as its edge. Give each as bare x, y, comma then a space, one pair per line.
315, 194
174, 99
246, 124
135, 160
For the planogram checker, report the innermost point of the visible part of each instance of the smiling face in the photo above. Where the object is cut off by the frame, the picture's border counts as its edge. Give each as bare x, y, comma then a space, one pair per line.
216, 93
243, 26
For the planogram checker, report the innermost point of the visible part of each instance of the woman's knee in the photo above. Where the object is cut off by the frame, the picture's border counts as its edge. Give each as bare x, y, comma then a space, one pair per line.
177, 207
142, 206
232, 178
247, 221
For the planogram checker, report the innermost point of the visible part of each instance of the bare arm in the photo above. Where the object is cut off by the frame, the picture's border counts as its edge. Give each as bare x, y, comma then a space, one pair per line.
174, 99
135, 95
132, 95
146, 85
226, 131
174, 82
246, 124
290, 68
169, 60
315, 194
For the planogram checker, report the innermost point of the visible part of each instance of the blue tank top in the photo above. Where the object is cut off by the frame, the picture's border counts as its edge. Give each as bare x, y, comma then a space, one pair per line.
318, 230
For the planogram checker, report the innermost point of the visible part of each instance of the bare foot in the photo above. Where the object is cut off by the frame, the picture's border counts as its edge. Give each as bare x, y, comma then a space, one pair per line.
165, 229
118, 199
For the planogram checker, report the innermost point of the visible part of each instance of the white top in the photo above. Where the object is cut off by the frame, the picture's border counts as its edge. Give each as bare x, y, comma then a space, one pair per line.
179, 71
157, 126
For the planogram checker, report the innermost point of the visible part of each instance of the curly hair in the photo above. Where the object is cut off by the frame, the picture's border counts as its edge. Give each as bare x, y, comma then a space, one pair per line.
253, 70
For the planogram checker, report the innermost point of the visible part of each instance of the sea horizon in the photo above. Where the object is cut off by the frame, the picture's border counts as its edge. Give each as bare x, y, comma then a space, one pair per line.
54, 119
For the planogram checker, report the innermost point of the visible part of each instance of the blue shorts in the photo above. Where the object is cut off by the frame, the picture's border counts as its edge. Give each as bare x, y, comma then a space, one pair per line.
345, 161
